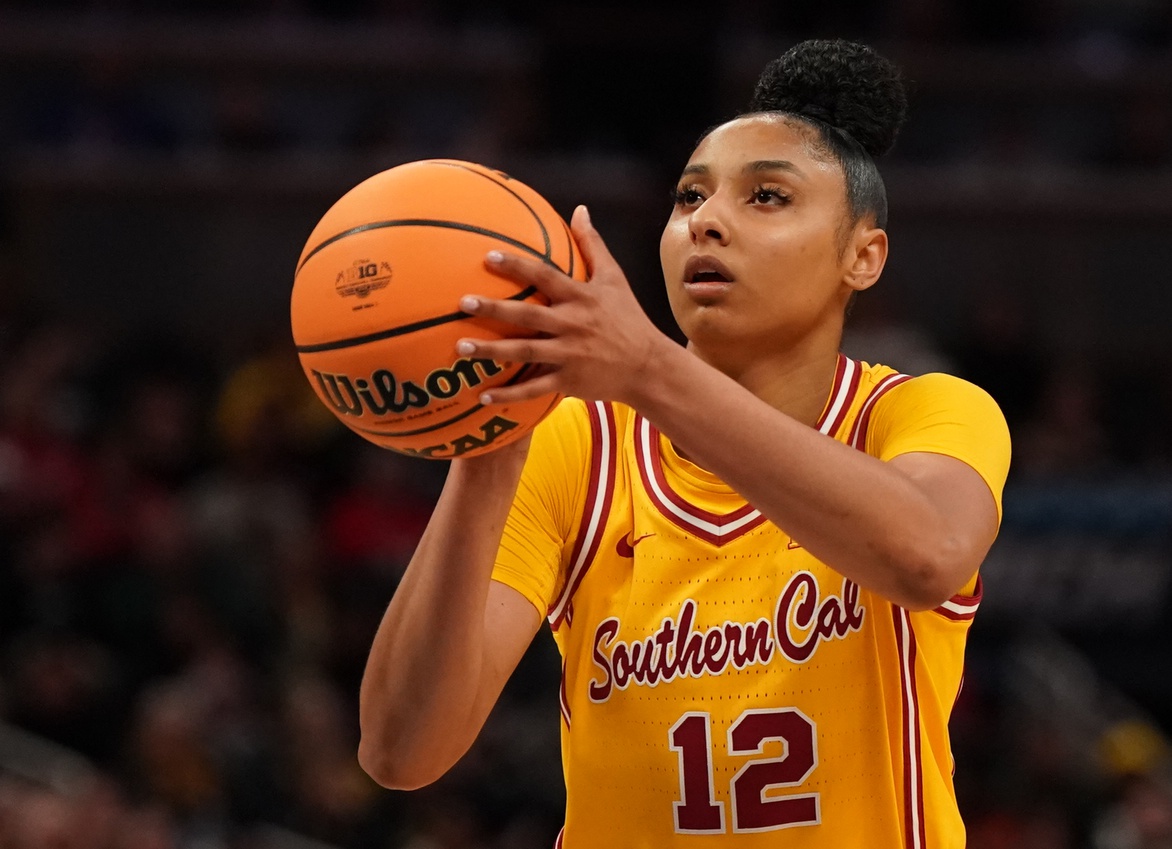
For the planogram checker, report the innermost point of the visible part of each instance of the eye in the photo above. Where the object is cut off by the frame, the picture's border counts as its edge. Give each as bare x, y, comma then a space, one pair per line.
769, 195
686, 196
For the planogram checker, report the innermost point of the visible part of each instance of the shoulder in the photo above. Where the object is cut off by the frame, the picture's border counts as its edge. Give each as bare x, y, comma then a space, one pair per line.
576, 430
942, 414
938, 392
584, 421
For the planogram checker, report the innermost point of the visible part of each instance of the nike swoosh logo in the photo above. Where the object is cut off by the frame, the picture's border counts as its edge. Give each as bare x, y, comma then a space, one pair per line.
626, 546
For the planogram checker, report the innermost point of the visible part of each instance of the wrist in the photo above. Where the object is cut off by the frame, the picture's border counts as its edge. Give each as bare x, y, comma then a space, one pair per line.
504, 463
654, 375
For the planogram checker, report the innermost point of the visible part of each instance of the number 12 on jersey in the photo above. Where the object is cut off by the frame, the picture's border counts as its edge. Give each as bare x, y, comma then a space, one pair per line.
698, 811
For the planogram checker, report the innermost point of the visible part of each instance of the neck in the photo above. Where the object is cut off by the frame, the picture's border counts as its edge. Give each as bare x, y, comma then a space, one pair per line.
795, 381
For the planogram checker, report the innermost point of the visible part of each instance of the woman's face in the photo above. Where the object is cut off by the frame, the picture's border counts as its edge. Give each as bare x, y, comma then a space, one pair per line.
753, 252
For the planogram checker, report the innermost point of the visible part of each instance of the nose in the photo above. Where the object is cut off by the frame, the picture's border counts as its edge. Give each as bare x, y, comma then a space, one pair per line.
706, 223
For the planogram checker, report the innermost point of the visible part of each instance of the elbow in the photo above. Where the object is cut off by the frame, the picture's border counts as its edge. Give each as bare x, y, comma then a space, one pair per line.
929, 578
391, 771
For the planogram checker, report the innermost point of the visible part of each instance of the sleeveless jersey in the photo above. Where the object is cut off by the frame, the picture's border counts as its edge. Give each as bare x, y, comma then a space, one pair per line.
720, 685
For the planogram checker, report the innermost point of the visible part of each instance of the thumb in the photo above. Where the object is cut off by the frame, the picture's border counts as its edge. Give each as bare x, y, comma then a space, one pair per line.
594, 249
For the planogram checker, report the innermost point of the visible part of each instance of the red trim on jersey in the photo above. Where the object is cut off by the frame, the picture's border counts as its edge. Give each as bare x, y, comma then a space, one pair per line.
563, 699
919, 797
955, 701
858, 437
913, 764
962, 608
717, 528
905, 641
846, 384
708, 526
599, 494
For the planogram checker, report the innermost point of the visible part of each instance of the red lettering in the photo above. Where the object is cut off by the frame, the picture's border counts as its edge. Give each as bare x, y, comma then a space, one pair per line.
850, 601
622, 665
757, 647
664, 637
608, 629
801, 615
829, 620
802, 620
715, 651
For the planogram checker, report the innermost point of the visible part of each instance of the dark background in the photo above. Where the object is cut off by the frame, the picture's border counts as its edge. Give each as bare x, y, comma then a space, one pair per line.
193, 556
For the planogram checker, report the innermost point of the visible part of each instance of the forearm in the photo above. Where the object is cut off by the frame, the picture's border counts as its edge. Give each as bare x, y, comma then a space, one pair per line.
866, 519
913, 529
423, 694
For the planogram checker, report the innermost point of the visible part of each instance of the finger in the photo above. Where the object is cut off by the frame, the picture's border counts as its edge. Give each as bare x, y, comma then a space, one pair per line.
531, 316
594, 249
548, 278
533, 350
546, 384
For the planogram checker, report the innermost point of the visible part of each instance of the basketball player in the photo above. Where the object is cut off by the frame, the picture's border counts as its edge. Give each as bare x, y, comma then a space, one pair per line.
759, 558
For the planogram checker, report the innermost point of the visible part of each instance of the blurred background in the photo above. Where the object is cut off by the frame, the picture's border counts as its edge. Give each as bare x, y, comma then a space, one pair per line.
194, 557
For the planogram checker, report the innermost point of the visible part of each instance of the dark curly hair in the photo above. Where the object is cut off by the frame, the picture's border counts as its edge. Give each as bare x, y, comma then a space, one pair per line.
855, 101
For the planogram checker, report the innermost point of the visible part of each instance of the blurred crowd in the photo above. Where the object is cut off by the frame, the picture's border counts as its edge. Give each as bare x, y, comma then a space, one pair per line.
191, 571
193, 561
194, 555
520, 79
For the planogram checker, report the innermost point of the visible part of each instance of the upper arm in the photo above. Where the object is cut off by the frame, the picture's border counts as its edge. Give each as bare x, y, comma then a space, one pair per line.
965, 504
942, 414
950, 439
528, 572
510, 623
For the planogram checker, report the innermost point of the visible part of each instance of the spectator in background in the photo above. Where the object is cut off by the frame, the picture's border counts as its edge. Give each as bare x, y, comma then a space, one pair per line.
1067, 435
1141, 818
999, 351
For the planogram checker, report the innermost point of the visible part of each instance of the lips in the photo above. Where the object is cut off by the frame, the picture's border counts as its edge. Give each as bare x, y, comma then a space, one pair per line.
703, 270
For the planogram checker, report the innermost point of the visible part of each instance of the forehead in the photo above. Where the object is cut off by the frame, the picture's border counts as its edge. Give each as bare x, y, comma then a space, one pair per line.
764, 137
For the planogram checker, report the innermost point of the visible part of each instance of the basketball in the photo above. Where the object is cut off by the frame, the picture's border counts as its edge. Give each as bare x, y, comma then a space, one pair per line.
375, 313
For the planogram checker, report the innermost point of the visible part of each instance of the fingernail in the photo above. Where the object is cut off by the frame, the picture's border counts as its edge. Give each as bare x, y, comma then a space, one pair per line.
469, 303
494, 257
465, 347
485, 398
586, 214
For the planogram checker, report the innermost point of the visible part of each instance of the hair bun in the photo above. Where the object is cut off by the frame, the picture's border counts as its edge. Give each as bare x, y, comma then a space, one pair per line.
841, 83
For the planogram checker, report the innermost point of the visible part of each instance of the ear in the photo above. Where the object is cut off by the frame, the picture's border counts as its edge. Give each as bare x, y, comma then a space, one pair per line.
864, 258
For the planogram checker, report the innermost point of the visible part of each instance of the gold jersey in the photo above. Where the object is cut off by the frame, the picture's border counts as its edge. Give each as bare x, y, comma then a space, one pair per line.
720, 685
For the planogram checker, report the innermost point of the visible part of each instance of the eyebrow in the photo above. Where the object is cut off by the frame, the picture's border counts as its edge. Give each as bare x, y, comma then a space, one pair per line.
755, 167
773, 165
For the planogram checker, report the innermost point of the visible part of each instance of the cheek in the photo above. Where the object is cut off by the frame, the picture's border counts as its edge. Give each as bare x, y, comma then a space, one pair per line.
675, 236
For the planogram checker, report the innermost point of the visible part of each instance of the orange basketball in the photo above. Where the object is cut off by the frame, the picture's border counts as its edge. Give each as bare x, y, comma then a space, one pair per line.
375, 310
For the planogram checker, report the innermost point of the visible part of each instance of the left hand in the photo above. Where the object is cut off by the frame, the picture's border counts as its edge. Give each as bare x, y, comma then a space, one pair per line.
593, 338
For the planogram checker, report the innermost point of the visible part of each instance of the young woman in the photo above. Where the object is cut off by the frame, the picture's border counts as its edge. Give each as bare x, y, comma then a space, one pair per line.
758, 557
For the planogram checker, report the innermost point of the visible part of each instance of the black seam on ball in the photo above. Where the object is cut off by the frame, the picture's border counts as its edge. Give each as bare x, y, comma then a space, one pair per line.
403, 329
426, 222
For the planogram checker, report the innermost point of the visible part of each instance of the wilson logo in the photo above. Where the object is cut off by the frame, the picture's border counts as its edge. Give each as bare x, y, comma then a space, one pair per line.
803, 620
383, 393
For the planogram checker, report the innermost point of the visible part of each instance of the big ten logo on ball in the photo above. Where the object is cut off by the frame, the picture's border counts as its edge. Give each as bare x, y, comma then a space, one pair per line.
361, 278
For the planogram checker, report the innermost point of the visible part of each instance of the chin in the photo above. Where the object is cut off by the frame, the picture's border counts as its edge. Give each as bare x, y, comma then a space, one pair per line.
711, 327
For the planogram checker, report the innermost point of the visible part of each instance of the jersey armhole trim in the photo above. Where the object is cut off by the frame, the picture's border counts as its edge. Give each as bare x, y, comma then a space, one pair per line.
858, 437
961, 608
596, 509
